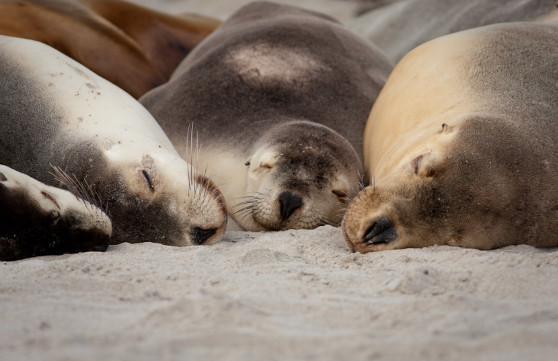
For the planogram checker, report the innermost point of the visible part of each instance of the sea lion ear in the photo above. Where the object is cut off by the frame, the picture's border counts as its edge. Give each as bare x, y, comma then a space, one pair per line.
424, 165
446, 128
247, 163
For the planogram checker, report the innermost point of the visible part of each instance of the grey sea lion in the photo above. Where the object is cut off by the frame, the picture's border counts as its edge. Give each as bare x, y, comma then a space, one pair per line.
278, 97
401, 26
36, 219
462, 145
54, 111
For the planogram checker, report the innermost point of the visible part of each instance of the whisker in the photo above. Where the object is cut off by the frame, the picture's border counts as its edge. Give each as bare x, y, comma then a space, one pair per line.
82, 190
329, 222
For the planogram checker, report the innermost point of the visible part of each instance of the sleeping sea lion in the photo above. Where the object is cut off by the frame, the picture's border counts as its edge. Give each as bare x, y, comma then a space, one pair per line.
278, 97
462, 145
36, 219
131, 46
54, 111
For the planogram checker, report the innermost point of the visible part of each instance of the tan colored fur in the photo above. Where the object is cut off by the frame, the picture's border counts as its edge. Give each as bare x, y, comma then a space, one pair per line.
488, 177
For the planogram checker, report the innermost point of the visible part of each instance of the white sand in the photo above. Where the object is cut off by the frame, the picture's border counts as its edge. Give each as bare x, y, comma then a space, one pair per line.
295, 295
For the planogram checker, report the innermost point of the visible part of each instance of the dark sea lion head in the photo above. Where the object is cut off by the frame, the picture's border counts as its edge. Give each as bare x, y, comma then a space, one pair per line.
38, 219
300, 175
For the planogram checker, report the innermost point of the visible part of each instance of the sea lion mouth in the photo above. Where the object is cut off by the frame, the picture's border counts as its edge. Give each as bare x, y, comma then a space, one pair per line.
382, 231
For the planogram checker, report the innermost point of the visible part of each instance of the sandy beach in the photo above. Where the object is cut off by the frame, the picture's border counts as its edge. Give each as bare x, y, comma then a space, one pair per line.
292, 295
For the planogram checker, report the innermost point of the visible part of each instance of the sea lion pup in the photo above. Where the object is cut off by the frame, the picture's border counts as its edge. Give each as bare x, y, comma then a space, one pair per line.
55, 111
278, 96
133, 47
401, 26
36, 219
462, 145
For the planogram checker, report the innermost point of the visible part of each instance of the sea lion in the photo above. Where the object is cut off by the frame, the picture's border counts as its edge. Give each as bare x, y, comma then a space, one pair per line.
55, 111
462, 145
403, 25
36, 219
279, 98
133, 47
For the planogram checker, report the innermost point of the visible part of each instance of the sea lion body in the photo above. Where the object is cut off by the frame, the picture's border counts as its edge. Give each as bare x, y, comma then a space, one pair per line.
36, 219
401, 26
131, 46
278, 98
55, 112
462, 145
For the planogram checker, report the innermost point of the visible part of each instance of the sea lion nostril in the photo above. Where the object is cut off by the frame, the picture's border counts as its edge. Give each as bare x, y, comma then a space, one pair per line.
381, 231
199, 235
290, 202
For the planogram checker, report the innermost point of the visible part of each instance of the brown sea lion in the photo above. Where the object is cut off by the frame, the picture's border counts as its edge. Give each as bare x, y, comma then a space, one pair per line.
278, 97
462, 145
133, 47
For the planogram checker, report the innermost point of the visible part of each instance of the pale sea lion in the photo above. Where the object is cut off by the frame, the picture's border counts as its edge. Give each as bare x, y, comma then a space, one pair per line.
403, 25
462, 145
133, 47
36, 219
279, 97
55, 111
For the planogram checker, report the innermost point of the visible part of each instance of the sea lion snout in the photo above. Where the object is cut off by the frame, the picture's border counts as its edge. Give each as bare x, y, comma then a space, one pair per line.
382, 231
290, 202
89, 241
199, 236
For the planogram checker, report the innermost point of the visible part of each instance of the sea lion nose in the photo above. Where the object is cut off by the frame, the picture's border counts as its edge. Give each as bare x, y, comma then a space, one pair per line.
101, 243
199, 235
91, 240
290, 202
381, 231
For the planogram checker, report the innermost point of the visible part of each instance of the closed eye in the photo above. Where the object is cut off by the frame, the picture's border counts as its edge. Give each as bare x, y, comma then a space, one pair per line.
148, 179
341, 196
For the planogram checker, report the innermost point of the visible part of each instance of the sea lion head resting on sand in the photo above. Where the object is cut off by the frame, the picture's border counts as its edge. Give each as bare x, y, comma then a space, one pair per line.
297, 167
265, 87
461, 145
70, 117
36, 219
